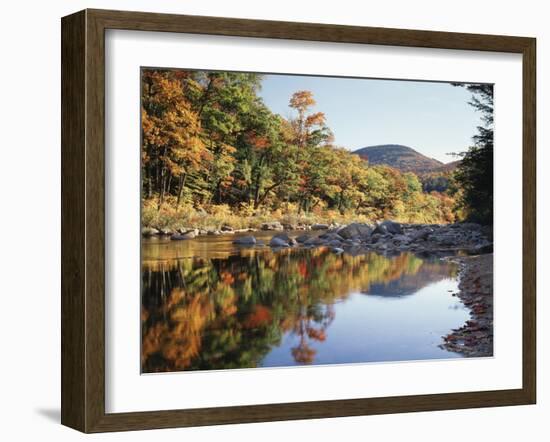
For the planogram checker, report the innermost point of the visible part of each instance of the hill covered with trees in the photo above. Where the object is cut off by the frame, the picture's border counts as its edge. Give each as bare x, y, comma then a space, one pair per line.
400, 157
433, 174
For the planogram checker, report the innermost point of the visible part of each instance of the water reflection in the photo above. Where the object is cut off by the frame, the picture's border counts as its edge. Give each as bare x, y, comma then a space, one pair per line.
262, 308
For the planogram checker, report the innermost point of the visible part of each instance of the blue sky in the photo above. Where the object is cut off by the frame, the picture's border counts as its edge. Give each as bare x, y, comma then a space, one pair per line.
433, 118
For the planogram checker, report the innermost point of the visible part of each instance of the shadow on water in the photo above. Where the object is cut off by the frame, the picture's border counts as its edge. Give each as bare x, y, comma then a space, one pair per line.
238, 308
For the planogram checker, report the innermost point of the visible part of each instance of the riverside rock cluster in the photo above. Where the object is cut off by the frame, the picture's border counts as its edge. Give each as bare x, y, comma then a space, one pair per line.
384, 237
357, 238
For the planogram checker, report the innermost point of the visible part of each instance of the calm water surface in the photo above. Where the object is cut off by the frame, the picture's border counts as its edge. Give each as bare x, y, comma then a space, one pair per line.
207, 304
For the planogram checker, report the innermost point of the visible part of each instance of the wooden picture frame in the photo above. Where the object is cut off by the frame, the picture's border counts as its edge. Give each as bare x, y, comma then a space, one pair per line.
83, 220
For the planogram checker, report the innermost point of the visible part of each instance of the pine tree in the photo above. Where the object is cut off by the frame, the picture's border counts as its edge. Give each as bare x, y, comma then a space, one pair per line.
475, 172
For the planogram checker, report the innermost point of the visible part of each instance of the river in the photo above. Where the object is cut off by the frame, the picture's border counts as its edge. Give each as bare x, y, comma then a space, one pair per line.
208, 304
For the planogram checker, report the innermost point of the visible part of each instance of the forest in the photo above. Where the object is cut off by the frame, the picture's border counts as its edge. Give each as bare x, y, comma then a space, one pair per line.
214, 154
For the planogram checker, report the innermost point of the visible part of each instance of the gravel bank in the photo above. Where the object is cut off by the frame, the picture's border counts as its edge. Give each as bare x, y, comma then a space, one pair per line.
475, 338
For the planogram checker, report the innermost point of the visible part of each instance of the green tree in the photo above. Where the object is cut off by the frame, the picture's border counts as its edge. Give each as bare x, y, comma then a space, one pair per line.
474, 174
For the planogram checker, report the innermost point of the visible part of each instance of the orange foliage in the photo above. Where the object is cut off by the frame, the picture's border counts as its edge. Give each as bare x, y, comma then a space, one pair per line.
304, 354
227, 278
316, 119
318, 335
301, 100
259, 317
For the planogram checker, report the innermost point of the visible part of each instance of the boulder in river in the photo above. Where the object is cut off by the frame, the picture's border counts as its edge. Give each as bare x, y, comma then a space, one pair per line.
272, 225
401, 239
185, 230
375, 237
245, 241
329, 236
334, 243
355, 230
182, 236
446, 238
318, 226
283, 236
389, 227
313, 242
422, 234
149, 231
278, 242
302, 238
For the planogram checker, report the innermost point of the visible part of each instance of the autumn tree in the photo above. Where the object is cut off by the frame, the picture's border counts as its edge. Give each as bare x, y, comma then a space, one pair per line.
309, 129
172, 146
309, 132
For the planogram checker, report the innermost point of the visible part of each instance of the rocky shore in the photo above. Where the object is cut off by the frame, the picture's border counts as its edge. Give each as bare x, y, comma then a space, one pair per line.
475, 338
357, 238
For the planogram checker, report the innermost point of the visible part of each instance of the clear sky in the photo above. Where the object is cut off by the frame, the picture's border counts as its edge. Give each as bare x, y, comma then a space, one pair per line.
432, 118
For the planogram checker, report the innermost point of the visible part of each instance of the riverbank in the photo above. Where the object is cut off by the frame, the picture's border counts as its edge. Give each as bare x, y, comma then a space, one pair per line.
475, 338
356, 238
220, 216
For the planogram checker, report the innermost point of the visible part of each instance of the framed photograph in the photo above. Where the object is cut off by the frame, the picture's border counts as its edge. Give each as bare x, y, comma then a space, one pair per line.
270, 220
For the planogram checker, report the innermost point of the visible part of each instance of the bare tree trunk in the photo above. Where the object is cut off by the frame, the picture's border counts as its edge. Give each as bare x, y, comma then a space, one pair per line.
162, 185
183, 178
218, 192
340, 200
265, 194
168, 182
148, 189
256, 197
257, 184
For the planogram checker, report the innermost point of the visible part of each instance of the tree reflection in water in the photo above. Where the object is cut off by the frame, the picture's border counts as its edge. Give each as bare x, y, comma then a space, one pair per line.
222, 313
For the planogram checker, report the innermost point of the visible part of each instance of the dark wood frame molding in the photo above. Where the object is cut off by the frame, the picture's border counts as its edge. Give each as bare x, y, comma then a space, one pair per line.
83, 216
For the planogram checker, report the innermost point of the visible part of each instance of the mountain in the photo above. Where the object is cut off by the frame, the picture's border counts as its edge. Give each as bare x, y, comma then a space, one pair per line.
401, 157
